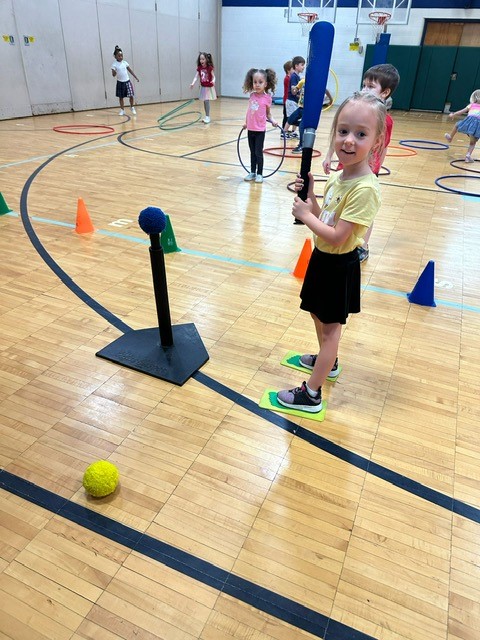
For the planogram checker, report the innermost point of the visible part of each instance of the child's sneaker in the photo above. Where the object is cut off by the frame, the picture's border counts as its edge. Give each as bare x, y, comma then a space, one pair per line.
206, 120
294, 134
448, 137
335, 370
298, 149
121, 112
134, 111
250, 177
363, 253
308, 361
300, 399
259, 178
468, 158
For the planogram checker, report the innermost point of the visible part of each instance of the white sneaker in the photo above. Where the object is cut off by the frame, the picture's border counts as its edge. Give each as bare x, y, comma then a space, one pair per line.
206, 120
259, 178
468, 158
122, 112
134, 111
250, 177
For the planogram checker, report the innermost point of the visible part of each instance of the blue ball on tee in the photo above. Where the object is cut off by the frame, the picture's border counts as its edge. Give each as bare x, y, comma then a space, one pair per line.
152, 220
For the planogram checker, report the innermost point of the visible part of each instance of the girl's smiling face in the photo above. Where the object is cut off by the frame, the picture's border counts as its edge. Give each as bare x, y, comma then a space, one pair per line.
119, 56
356, 134
203, 61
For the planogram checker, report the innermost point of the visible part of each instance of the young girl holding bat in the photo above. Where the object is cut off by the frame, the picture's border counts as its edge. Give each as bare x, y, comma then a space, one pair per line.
331, 289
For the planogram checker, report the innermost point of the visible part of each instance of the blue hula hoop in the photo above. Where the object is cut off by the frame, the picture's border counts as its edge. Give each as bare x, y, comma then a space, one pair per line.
439, 146
459, 191
463, 168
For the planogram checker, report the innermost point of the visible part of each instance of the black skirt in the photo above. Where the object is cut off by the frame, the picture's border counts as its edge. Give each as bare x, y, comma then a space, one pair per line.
124, 89
331, 289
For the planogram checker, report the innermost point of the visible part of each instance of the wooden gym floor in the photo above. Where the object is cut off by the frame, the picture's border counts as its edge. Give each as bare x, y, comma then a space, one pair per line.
230, 521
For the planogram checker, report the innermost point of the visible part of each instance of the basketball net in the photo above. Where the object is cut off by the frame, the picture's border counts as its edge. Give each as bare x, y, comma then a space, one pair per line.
378, 19
307, 20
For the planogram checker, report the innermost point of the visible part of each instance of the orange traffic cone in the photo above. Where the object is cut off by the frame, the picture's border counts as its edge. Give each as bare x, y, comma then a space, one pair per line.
302, 264
83, 223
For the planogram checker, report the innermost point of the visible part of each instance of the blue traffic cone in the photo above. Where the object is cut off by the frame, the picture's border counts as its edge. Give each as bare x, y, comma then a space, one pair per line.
423, 291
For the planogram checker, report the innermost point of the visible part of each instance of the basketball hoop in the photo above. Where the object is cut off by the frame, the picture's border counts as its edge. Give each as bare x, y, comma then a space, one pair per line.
307, 20
379, 20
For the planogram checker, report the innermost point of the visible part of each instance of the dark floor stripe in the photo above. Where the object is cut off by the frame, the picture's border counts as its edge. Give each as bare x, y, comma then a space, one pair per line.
180, 561
47, 258
189, 565
394, 478
356, 460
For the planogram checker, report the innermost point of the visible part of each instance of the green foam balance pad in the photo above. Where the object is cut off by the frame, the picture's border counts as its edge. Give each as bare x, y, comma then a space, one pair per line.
269, 401
292, 360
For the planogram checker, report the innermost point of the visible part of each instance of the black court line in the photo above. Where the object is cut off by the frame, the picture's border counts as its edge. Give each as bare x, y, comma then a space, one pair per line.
265, 600
411, 486
259, 597
189, 156
47, 258
392, 477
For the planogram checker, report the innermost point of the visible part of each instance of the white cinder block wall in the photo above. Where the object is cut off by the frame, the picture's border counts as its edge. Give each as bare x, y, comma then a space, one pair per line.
262, 37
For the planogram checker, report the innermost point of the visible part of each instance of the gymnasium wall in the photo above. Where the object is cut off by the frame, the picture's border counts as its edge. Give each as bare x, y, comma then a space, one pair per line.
261, 36
56, 54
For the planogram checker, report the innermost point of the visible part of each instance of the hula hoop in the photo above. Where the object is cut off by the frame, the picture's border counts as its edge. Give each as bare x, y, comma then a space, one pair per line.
275, 151
410, 152
170, 115
65, 129
457, 175
336, 91
463, 168
387, 171
438, 146
289, 186
248, 170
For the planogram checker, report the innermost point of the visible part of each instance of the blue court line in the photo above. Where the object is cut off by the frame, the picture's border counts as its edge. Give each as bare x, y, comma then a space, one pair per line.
190, 252
246, 263
443, 303
185, 563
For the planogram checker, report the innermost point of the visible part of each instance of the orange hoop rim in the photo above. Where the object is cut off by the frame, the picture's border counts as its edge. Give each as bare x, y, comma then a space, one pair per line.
308, 17
379, 17
400, 155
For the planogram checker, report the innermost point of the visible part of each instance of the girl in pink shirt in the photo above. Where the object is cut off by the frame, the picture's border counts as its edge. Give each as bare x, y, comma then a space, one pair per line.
470, 125
260, 82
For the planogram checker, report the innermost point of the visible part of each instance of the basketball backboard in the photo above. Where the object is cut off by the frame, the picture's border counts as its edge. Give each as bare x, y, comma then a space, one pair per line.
325, 9
399, 10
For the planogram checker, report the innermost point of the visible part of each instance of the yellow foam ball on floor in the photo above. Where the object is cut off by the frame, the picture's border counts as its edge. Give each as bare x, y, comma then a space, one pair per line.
101, 478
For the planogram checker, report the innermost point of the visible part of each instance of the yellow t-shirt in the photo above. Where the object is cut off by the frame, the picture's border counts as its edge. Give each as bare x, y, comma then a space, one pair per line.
356, 201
